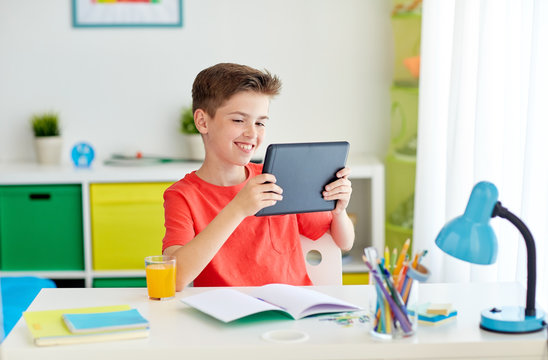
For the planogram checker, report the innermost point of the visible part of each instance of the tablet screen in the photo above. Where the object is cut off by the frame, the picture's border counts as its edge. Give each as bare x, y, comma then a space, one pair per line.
302, 170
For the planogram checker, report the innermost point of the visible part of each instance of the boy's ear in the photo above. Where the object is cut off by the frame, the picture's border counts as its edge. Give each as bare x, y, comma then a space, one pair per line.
200, 121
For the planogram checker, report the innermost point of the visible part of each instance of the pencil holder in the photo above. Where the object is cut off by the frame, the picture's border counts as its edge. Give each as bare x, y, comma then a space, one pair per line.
393, 305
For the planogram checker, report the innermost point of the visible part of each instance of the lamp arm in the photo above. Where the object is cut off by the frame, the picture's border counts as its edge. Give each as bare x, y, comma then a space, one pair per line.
502, 212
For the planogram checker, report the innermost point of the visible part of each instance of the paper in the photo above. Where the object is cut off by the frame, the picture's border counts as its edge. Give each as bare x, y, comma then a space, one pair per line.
228, 304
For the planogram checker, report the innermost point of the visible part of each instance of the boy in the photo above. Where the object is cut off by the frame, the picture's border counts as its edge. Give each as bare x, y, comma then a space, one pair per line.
210, 227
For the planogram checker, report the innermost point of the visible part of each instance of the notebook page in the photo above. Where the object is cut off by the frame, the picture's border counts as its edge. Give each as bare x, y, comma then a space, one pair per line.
227, 304
300, 302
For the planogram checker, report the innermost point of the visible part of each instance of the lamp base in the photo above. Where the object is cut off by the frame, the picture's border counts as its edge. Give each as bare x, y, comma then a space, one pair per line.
511, 319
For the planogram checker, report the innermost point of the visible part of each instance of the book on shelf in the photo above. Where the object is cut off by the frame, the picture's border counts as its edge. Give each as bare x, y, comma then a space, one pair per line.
227, 304
48, 327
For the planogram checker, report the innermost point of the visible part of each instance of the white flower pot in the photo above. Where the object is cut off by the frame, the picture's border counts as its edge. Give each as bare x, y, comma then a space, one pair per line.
195, 146
48, 149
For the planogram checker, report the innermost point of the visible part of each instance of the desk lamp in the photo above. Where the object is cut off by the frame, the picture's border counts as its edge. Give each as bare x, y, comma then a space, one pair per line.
469, 237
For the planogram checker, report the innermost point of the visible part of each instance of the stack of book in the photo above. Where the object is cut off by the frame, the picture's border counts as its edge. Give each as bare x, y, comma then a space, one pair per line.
85, 325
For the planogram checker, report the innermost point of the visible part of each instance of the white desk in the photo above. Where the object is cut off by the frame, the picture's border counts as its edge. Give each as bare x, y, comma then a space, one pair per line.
178, 331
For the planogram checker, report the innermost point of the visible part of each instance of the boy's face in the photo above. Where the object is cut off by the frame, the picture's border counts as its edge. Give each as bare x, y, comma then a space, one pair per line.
237, 128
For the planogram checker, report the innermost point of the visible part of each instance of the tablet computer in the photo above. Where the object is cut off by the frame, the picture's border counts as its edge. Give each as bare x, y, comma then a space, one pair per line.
302, 170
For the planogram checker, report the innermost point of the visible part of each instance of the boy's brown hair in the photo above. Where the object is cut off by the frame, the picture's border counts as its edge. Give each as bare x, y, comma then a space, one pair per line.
216, 84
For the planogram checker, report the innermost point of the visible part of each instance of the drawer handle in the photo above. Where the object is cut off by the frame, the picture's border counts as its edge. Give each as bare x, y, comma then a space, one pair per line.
40, 196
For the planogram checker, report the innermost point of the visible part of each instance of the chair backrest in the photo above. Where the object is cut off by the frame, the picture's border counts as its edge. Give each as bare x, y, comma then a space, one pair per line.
17, 294
323, 260
1, 318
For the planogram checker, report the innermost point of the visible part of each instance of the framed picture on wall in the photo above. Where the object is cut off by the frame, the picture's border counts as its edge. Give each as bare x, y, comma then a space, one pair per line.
127, 13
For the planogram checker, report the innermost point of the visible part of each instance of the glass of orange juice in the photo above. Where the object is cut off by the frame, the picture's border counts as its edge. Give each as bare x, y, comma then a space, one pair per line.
160, 273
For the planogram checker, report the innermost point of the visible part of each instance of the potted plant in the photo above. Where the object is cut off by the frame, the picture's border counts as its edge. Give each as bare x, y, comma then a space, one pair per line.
47, 137
192, 137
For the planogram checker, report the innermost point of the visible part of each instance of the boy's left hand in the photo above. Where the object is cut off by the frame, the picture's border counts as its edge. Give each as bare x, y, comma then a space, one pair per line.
339, 190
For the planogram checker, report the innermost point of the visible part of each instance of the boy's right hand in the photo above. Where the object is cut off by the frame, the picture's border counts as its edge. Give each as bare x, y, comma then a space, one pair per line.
259, 192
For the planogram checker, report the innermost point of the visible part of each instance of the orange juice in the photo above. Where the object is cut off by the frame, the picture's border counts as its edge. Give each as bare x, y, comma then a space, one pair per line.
161, 280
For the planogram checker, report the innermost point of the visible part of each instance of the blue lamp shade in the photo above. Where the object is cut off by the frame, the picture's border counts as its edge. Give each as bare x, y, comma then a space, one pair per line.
469, 237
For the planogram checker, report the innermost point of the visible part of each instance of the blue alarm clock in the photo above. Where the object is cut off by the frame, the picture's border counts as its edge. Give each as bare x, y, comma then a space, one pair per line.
82, 155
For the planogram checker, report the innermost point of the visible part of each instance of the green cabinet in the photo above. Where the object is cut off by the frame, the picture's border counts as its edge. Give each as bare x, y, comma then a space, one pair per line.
41, 227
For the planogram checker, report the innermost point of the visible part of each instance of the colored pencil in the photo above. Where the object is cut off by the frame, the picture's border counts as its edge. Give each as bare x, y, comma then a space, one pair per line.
401, 258
386, 256
415, 261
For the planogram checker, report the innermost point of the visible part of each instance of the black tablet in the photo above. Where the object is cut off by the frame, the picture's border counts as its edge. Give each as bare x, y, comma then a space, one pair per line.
302, 170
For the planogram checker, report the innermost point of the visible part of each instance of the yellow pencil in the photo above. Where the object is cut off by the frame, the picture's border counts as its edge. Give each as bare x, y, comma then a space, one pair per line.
401, 258
415, 261
387, 257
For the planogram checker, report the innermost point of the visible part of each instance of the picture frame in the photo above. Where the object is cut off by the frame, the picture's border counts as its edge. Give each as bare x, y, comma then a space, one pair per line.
127, 13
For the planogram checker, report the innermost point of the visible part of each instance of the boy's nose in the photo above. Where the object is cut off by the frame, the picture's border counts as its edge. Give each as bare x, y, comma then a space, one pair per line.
250, 131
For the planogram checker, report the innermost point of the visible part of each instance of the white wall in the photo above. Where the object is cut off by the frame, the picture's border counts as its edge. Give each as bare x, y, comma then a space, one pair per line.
122, 89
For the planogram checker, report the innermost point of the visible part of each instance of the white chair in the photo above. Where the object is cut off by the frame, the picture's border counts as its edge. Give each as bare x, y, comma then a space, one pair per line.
323, 260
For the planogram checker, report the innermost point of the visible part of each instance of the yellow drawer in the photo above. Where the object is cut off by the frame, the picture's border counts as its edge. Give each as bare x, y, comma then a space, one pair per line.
355, 278
127, 224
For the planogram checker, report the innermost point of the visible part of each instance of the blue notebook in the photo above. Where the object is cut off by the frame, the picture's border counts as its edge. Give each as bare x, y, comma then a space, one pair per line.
105, 321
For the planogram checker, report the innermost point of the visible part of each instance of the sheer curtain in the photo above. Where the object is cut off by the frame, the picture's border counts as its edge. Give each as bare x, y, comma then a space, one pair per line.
483, 115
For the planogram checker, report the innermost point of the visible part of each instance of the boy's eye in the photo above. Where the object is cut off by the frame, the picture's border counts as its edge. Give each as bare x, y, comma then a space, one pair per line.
237, 120
260, 123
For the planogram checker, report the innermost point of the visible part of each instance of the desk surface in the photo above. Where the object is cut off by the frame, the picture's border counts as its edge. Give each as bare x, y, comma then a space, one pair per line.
183, 332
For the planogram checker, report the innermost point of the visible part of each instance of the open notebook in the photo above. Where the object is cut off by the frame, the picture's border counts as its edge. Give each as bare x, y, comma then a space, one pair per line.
227, 304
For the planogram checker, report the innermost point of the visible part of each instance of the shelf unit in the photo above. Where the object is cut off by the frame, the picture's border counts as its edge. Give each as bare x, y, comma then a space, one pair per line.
367, 201
400, 163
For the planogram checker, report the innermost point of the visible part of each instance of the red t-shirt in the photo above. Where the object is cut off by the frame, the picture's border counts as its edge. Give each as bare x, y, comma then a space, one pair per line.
261, 250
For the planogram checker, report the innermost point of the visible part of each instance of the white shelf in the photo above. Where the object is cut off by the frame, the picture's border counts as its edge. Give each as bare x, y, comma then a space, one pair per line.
50, 274
364, 168
118, 273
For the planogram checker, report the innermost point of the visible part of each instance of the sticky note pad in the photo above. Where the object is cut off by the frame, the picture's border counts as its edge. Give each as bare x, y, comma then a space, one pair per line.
436, 322
439, 309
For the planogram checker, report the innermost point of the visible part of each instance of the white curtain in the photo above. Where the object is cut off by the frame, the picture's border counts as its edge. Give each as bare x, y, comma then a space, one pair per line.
483, 115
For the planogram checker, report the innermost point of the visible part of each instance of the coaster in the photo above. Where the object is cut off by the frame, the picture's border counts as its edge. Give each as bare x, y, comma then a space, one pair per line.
285, 336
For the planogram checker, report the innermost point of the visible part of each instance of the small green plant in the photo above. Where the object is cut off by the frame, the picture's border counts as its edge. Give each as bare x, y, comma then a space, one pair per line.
187, 122
46, 124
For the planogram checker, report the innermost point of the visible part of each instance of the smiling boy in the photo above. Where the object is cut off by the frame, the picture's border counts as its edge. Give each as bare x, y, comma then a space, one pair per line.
210, 227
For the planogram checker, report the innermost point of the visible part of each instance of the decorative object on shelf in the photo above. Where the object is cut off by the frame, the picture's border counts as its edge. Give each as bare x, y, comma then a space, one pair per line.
192, 137
82, 155
408, 151
139, 159
413, 64
119, 13
406, 28
407, 6
47, 138
469, 237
